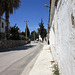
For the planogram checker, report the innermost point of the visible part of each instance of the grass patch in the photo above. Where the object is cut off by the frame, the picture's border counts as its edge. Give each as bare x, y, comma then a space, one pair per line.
56, 70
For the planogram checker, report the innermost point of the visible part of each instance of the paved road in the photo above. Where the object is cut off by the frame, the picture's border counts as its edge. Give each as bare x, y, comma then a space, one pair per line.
13, 61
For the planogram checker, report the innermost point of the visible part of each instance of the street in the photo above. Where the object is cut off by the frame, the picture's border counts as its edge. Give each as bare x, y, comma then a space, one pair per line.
13, 61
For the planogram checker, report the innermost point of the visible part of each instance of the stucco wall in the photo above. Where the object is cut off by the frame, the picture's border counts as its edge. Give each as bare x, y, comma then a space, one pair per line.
11, 43
62, 37
4, 23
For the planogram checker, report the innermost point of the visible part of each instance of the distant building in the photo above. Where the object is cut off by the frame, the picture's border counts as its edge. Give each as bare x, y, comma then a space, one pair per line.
40, 39
2, 28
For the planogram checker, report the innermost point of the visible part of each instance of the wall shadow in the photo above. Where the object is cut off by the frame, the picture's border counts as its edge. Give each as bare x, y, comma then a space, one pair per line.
24, 47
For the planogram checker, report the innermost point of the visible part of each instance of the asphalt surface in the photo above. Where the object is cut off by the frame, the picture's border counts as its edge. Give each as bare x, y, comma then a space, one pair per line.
13, 61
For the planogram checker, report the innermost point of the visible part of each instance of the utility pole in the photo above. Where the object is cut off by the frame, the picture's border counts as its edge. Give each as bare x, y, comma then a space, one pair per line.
26, 28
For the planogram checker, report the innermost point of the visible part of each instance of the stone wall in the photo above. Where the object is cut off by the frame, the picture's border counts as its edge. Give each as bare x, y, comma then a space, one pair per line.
62, 36
11, 43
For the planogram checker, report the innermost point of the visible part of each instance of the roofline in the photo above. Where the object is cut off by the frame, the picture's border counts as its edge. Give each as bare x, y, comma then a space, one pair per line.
4, 19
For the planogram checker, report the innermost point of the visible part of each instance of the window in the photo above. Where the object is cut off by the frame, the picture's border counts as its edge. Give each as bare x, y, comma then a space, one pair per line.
2, 25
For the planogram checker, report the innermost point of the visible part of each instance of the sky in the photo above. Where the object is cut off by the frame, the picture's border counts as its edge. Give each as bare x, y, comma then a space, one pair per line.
32, 11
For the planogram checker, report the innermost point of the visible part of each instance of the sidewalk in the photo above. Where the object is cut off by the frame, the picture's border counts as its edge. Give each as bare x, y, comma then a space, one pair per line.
43, 65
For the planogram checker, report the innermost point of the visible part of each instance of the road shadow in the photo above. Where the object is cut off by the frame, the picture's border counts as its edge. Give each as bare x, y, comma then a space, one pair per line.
24, 47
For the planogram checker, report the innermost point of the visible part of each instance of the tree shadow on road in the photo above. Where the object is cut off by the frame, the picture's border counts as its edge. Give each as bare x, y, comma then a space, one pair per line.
24, 47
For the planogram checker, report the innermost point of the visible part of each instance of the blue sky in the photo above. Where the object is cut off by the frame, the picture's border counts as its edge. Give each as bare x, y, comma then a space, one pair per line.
32, 11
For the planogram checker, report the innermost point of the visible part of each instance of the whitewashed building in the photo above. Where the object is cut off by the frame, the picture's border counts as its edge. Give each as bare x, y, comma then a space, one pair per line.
62, 35
2, 28
40, 39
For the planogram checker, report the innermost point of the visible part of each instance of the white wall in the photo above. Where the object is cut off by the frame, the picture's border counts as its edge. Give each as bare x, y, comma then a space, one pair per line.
2, 29
40, 39
62, 37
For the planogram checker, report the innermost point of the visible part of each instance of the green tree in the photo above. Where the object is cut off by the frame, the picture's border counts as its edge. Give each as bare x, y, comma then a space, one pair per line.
42, 31
7, 7
22, 35
28, 32
14, 33
34, 35
1, 7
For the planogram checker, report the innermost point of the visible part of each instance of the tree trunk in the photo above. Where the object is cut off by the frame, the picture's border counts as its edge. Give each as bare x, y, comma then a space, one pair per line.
0, 20
0, 27
7, 23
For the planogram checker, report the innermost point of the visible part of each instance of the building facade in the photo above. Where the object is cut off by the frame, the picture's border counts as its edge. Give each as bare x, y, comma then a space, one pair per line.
2, 28
62, 35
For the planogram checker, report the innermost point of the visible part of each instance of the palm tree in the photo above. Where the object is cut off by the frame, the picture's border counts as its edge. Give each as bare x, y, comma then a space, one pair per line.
8, 6
1, 13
